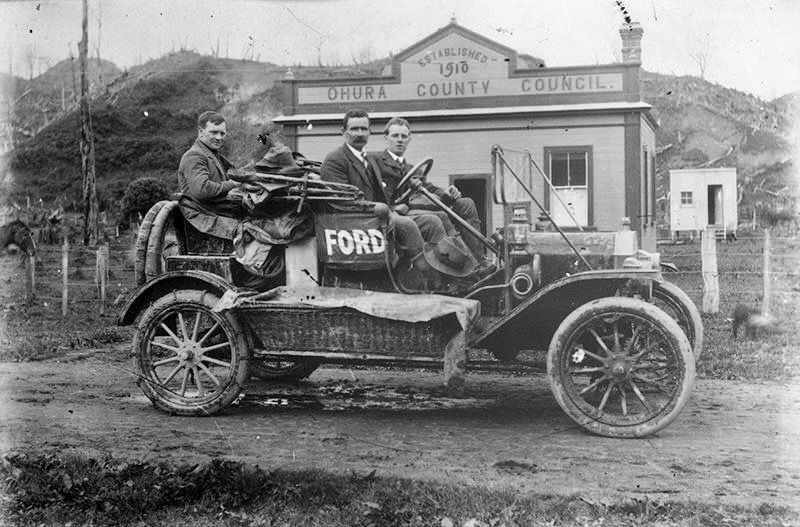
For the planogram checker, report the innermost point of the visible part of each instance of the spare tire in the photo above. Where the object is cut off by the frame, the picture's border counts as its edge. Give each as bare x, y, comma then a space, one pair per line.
162, 241
140, 248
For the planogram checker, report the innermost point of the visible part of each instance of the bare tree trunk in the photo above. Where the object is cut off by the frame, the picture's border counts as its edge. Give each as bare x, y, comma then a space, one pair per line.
87, 141
74, 80
97, 46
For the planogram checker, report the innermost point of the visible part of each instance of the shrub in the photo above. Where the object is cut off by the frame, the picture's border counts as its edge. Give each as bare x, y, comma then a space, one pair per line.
141, 194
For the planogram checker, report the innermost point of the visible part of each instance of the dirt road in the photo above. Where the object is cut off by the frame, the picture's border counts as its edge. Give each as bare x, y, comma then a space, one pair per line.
735, 442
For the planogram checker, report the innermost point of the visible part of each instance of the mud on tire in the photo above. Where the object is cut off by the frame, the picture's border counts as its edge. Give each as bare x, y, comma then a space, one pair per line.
620, 367
191, 360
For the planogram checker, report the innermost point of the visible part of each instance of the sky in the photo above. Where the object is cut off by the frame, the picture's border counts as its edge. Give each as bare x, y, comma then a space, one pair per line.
750, 45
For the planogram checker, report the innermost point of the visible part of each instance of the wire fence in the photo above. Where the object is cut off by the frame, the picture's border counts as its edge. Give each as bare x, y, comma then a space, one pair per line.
759, 270
100, 277
70, 275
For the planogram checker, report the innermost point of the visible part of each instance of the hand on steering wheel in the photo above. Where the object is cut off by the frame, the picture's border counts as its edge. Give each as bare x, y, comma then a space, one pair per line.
426, 165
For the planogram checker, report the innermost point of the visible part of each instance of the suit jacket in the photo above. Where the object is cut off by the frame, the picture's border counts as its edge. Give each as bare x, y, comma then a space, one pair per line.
204, 183
392, 172
202, 175
341, 166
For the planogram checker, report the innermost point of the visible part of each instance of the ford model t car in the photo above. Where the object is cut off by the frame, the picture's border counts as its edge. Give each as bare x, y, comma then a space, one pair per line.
621, 342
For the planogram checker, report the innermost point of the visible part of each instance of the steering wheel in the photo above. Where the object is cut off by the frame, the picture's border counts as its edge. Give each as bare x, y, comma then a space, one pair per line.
427, 163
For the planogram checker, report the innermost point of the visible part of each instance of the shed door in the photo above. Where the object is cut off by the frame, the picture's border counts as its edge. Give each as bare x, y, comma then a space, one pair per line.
568, 174
715, 205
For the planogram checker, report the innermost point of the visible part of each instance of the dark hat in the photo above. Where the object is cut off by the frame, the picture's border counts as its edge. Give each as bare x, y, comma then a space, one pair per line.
450, 256
279, 159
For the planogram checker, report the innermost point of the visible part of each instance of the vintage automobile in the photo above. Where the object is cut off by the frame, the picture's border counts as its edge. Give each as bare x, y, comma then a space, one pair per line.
621, 342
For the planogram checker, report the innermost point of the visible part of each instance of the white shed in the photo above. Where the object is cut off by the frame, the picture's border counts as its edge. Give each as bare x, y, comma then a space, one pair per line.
702, 197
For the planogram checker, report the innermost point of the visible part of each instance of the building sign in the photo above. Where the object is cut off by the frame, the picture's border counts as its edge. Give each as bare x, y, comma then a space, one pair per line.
457, 67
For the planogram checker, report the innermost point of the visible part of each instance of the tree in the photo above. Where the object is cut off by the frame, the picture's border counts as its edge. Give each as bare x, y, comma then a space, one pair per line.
90, 230
700, 53
141, 194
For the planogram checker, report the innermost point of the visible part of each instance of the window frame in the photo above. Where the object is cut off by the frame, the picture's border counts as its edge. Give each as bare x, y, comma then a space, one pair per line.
589, 186
569, 184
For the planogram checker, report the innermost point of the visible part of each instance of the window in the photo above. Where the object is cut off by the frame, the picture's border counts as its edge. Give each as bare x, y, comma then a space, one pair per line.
569, 169
686, 199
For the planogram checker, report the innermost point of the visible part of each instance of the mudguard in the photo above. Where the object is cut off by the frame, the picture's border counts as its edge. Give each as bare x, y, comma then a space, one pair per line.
532, 323
165, 283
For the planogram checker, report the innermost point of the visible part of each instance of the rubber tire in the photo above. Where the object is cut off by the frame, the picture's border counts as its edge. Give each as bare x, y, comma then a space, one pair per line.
153, 265
677, 299
172, 402
674, 335
295, 372
140, 247
505, 355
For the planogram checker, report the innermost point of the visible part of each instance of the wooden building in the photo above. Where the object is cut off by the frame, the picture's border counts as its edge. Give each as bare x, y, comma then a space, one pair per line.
702, 197
585, 126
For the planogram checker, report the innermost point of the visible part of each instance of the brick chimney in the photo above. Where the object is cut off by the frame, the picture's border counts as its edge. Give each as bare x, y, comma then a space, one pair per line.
631, 34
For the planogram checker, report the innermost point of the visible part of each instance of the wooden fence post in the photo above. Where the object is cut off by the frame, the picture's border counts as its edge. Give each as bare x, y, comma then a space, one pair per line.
30, 277
710, 273
64, 276
765, 303
101, 275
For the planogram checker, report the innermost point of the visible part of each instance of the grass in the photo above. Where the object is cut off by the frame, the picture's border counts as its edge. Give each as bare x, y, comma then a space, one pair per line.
36, 330
774, 354
53, 489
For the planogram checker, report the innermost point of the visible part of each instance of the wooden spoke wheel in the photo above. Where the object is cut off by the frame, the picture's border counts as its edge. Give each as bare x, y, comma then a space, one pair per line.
191, 360
677, 304
277, 370
505, 354
620, 367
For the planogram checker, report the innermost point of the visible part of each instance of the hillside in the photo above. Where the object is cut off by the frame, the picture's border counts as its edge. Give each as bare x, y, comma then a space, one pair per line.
707, 125
144, 119
48, 97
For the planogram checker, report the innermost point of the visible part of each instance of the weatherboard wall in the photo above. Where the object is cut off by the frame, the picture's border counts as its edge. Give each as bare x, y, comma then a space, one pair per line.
464, 93
467, 152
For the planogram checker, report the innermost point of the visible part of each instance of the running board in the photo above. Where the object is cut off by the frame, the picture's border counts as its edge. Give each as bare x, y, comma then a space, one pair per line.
371, 359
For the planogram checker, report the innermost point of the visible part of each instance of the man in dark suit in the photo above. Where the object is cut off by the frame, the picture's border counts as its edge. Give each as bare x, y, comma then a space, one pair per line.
349, 164
393, 166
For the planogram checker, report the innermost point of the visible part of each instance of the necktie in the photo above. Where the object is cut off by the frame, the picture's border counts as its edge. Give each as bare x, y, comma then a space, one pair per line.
364, 159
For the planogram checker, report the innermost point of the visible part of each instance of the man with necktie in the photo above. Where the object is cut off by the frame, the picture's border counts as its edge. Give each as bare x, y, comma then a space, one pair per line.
350, 164
393, 166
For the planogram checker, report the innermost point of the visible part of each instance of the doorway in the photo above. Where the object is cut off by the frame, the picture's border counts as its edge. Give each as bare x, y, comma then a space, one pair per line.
477, 187
715, 205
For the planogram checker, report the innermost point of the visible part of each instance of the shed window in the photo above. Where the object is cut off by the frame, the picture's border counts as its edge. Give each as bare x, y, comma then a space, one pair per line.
686, 198
569, 169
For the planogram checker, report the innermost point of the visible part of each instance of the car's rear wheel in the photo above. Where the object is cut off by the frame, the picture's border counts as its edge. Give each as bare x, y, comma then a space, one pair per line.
191, 359
278, 370
677, 304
